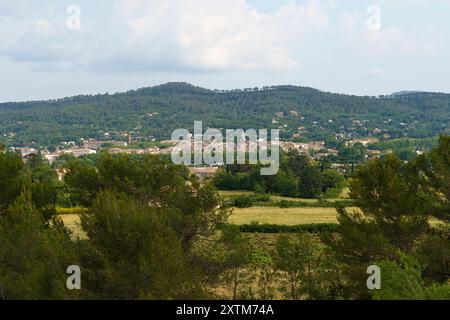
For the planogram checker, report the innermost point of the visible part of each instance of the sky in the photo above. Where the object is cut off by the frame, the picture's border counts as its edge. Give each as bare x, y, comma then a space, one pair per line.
57, 48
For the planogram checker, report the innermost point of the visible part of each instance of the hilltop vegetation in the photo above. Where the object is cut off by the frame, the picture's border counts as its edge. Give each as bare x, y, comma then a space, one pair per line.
157, 111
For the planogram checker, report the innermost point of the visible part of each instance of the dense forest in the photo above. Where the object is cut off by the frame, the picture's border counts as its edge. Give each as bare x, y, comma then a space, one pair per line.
157, 111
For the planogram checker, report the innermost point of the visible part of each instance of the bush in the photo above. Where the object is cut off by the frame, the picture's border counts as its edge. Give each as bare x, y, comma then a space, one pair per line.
248, 201
261, 197
243, 202
286, 204
273, 228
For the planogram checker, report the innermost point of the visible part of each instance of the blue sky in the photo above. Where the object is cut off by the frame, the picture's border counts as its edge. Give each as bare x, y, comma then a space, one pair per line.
345, 46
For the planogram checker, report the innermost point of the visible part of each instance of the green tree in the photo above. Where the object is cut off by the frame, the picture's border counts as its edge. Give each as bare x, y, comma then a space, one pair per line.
83, 182
435, 168
402, 280
433, 252
34, 255
287, 183
311, 272
11, 167
390, 216
310, 183
156, 183
135, 252
236, 252
332, 182
388, 192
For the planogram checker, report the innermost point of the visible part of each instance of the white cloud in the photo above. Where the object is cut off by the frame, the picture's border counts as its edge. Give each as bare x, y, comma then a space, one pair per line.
178, 34
321, 43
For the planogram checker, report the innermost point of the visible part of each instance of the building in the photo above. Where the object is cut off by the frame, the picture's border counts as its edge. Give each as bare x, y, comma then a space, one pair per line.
204, 173
79, 152
25, 152
96, 145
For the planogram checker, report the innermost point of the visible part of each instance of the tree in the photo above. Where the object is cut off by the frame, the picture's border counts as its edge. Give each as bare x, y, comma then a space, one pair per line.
155, 183
83, 181
11, 166
388, 192
34, 255
310, 184
44, 186
390, 217
354, 155
433, 252
310, 270
35, 177
434, 167
403, 280
134, 252
236, 253
332, 181
287, 183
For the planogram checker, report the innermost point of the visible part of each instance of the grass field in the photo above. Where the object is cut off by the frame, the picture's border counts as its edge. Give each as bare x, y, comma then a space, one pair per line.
72, 221
262, 214
229, 194
283, 216
270, 215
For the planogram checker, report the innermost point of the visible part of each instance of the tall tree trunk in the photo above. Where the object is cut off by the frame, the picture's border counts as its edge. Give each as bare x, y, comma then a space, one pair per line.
294, 295
235, 283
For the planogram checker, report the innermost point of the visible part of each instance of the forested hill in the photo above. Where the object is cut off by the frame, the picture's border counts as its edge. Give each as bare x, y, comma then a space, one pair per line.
157, 111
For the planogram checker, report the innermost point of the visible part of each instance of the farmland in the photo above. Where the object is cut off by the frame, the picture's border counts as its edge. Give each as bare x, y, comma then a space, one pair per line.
264, 213
283, 216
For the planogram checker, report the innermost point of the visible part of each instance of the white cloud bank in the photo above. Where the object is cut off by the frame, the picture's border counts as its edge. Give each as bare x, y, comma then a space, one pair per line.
320, 43
195, 35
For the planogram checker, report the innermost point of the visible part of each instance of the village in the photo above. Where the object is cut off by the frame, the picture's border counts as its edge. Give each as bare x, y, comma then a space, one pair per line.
315, 150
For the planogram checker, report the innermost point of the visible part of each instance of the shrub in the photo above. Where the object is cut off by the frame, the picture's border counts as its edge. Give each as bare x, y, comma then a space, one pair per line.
273, 228
286, 204
243, 202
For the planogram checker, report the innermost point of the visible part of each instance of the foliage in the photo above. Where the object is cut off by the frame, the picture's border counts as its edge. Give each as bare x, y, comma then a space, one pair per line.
34, 255
273, 228
155, 182
402, 280
35, 177
298, 177
162, 109
311, 271
133, 253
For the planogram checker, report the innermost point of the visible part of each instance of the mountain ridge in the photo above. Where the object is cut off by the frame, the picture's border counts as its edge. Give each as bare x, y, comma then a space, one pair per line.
154, 112
181, 86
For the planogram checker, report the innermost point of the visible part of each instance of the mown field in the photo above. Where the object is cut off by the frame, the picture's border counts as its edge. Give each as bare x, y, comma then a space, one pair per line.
230, 194
283, 216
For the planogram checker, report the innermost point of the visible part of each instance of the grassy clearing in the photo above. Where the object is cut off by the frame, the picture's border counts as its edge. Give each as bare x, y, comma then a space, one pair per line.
230, 194
72, 222
227, 195
69, 211
283, 216
270, 215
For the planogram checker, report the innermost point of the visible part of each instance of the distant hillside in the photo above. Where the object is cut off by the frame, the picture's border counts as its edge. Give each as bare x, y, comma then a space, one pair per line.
157, 111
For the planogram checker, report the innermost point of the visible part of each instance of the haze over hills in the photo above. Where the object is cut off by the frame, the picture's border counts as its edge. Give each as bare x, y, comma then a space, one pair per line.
155, 112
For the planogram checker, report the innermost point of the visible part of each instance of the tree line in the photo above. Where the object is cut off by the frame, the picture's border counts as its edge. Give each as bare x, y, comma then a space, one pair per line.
298, 176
